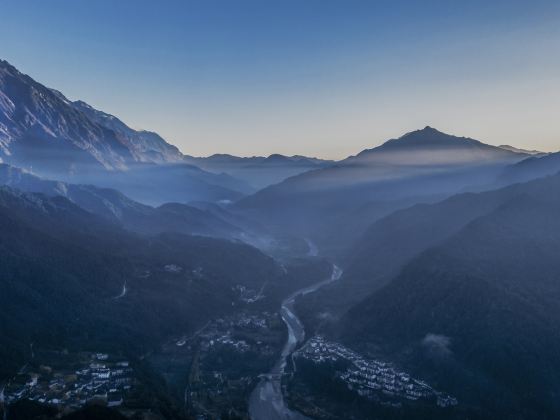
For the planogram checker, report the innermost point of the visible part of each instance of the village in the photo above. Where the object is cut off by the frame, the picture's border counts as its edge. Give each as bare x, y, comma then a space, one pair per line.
370, 378
215, 368
231, 352
220, 363
72, 381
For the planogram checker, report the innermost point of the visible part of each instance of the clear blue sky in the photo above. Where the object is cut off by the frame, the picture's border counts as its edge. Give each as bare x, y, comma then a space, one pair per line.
325, 78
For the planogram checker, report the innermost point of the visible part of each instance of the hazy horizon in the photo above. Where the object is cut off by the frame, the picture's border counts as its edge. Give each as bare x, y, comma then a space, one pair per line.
215, 77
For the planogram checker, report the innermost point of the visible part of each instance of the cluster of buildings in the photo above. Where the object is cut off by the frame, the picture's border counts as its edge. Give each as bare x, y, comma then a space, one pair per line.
244, 321
240, 332
97, 378
227, 340
247, 295
370, 378
229, 354
173, 268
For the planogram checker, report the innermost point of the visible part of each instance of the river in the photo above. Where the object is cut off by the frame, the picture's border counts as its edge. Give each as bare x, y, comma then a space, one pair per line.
266, 401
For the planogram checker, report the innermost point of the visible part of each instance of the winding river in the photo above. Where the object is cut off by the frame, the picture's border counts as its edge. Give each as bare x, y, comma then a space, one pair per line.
266, 401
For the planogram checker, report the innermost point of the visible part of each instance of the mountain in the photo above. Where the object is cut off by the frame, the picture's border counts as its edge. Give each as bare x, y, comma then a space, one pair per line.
72, 280
422, 166
531, 168
420, 152
428, 147
44, 132
39, 127
145, 146
123, 211
257, 171
155, 184
523, 151
474, 310
392, 241
386, 246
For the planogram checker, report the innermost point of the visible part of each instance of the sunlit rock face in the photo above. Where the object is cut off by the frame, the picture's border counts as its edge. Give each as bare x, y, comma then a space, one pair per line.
41, 128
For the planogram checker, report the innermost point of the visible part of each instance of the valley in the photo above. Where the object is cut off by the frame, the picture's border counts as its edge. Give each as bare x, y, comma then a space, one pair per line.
415, 279
267, 400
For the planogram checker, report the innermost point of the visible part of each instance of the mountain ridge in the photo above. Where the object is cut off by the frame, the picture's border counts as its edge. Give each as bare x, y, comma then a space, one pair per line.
34, 116
436, 141
44, 132
488, 291
383, 179
114, 206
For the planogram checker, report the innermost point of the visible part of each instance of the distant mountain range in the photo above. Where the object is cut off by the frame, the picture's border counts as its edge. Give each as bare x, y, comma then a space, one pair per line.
51, 136
531, 168
274, 159
259, 171
44, 132
524, 151
117, 208
421, 166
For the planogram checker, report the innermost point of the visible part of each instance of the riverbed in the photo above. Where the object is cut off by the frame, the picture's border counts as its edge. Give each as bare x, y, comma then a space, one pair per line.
266, 401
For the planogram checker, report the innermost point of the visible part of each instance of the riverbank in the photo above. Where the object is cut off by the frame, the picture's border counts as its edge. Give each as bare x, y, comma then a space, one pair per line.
267, 400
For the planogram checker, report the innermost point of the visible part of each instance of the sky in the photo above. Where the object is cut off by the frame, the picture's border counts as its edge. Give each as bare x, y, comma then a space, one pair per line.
312, 77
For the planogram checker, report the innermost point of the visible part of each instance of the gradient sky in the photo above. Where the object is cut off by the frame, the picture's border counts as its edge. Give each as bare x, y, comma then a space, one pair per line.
323, 78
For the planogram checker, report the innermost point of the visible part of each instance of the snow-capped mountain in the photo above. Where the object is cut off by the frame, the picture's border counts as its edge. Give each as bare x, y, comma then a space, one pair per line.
50, 136
42, 129
145, 146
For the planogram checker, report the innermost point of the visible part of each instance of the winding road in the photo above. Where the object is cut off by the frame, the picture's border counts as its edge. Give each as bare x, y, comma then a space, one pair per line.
123, 292
266, 401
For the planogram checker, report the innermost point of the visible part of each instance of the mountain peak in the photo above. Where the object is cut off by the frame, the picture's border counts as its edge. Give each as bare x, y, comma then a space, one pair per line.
425, 134
33, 115
278, 158
80, 103
522, 151
430, 145
429, 136
6, 65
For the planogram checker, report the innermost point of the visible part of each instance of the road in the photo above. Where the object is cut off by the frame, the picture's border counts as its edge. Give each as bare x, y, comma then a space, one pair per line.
123, 292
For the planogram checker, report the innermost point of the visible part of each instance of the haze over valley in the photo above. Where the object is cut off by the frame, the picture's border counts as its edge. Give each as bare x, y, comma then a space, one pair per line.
415, 278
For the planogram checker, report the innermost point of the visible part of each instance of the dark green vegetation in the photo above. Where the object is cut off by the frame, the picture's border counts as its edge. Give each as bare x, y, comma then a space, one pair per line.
29, 410
388, 244
476, 313
63, 270
117, 208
